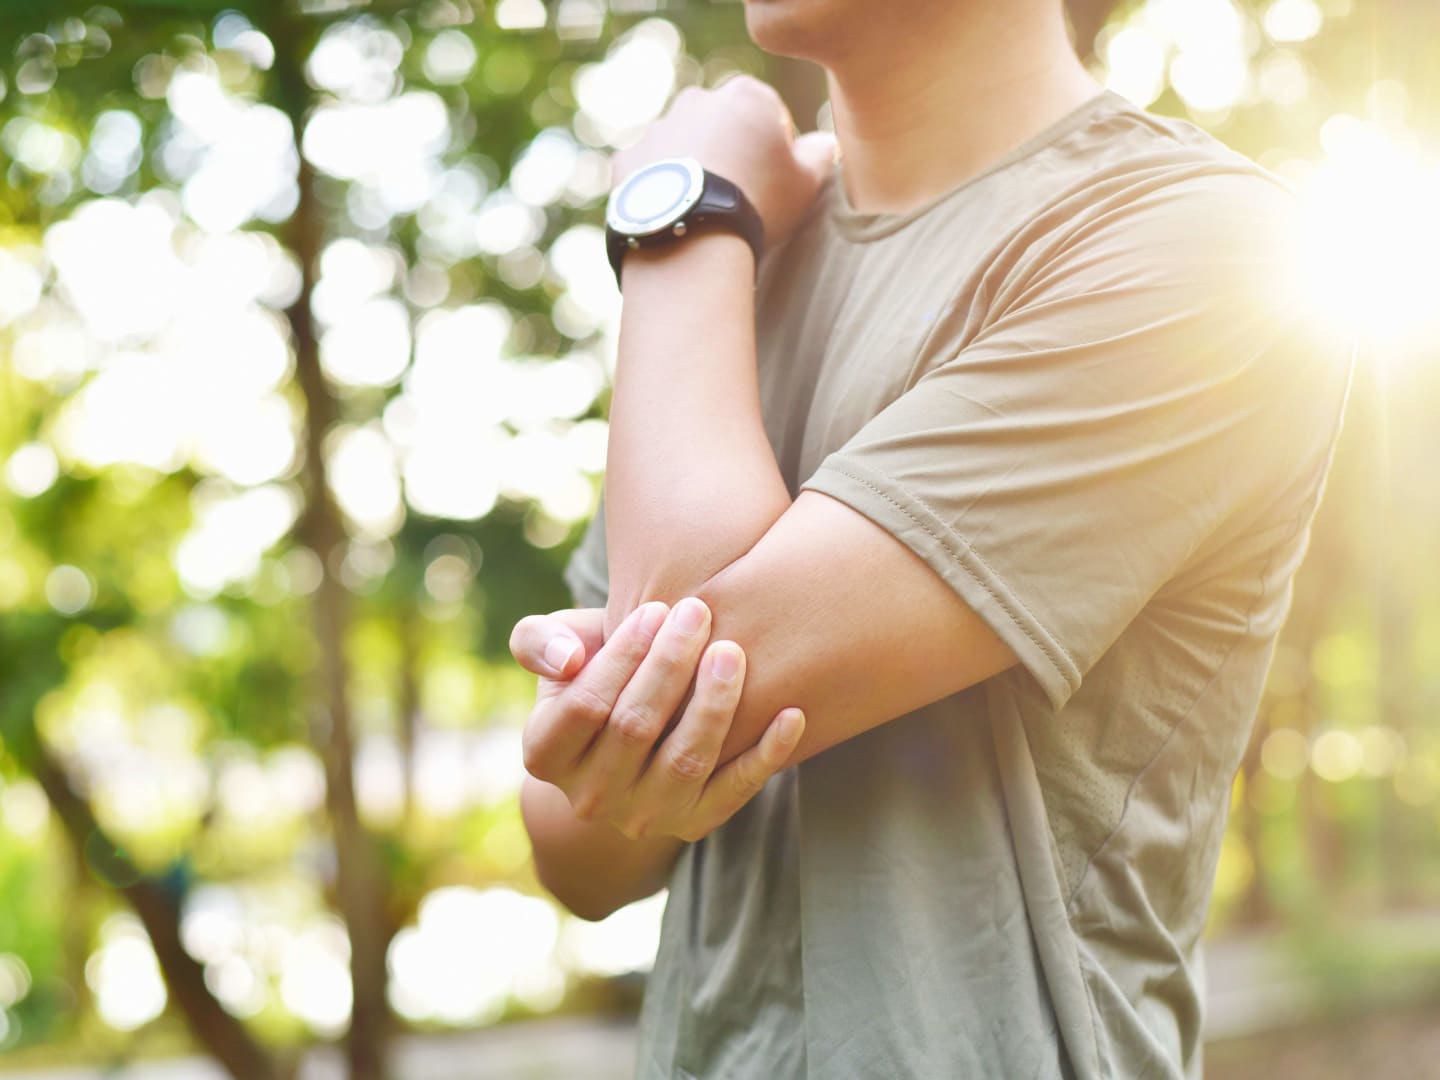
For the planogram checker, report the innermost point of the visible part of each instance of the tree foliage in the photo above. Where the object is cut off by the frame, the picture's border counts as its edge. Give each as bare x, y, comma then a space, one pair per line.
282, 735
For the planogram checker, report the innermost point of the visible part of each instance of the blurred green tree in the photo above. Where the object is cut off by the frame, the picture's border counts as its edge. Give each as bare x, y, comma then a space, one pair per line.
310, 513
76, 65
81, 73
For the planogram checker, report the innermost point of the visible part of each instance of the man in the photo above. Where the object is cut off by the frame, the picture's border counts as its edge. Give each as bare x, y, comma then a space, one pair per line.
993, 486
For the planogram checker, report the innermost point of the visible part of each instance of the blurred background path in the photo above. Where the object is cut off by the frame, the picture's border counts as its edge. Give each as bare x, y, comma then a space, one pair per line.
1269, 1016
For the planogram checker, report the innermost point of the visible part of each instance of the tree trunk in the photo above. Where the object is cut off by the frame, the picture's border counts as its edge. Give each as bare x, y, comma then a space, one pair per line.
75, 940
360, 881
409, 707
221, 1034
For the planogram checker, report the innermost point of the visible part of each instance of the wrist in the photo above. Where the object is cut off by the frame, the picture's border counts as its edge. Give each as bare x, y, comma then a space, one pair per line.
667, 201
706, 255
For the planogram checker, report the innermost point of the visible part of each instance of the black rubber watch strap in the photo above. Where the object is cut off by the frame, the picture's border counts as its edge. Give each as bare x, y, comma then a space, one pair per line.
721, 205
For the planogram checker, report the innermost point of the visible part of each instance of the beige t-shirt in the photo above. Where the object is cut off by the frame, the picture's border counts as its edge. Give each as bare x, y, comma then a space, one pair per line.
1077, 388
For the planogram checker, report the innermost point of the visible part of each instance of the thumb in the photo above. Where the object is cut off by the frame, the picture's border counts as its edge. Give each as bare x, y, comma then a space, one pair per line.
816, 153
548, 645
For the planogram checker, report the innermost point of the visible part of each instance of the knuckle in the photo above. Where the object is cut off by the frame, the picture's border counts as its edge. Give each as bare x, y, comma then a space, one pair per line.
627, 650
586, 806
535, 756
674, 658
686, 765
710, 713
635, 723
717, 700
636, 828
748, 780
585, 705
635, 646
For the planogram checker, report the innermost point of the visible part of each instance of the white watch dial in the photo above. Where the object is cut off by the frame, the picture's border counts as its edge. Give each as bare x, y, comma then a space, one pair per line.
656, 196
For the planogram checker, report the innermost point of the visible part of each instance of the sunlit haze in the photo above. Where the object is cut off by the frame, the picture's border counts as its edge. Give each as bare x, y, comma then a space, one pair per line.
464, 317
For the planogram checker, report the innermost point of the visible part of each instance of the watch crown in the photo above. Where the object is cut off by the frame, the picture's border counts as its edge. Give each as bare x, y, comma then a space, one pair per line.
632, 243
679, 229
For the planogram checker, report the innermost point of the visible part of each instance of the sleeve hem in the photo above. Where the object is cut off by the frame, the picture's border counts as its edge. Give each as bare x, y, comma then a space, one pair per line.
585, 588
910, 521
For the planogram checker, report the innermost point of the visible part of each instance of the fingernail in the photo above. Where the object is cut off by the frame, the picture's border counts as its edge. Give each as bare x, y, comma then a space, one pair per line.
791, 725
690, 615
558, 651
653, 617
725, 663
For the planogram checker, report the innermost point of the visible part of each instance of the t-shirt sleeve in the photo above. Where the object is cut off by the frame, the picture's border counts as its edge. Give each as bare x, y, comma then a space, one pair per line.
1147, 383
587, 573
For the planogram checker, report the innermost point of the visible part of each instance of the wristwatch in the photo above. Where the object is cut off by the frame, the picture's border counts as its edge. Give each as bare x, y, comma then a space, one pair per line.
660, 202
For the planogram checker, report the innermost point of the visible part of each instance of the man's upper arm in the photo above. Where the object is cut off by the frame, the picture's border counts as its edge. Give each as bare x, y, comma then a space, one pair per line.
839, 618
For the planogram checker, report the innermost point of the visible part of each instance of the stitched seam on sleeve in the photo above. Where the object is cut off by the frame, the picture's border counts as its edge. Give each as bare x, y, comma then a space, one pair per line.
1302, 519
1297, 523
959, 560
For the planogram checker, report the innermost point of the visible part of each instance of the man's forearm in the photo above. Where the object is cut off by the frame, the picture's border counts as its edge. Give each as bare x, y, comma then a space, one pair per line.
691, 481
590, 867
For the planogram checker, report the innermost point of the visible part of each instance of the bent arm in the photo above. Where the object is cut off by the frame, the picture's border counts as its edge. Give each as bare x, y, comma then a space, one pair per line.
590, 867
605, 815
836, 616
691, 481
1052, 476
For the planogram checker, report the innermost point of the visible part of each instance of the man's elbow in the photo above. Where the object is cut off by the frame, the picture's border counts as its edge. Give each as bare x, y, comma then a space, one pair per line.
672, 574
583, 903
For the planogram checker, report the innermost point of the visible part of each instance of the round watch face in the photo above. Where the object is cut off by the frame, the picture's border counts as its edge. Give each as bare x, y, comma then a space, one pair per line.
655, 197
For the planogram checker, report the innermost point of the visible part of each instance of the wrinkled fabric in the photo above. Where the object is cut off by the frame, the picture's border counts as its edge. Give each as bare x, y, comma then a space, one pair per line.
1078, 388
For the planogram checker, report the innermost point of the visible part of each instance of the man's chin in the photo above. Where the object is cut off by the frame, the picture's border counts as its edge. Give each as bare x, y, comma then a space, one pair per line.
800, 28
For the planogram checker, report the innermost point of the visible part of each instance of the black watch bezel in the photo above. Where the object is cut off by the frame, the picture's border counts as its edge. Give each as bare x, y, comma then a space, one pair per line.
708, 199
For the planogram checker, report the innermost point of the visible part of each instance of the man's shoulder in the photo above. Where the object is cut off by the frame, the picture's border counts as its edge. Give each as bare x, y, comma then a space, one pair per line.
1148, 201
1137, 169
1122, 137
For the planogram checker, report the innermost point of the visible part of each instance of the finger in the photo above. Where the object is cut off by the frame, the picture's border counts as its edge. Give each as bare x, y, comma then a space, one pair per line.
690, 753
815, 153
739, 782
645, 705
562, 726
555, 645
596, 689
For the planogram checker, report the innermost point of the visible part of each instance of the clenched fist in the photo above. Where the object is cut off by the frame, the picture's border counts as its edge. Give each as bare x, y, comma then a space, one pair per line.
743, 132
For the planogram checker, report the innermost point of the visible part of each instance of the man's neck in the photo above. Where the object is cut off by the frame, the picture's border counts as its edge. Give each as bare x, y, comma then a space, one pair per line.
914, 122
